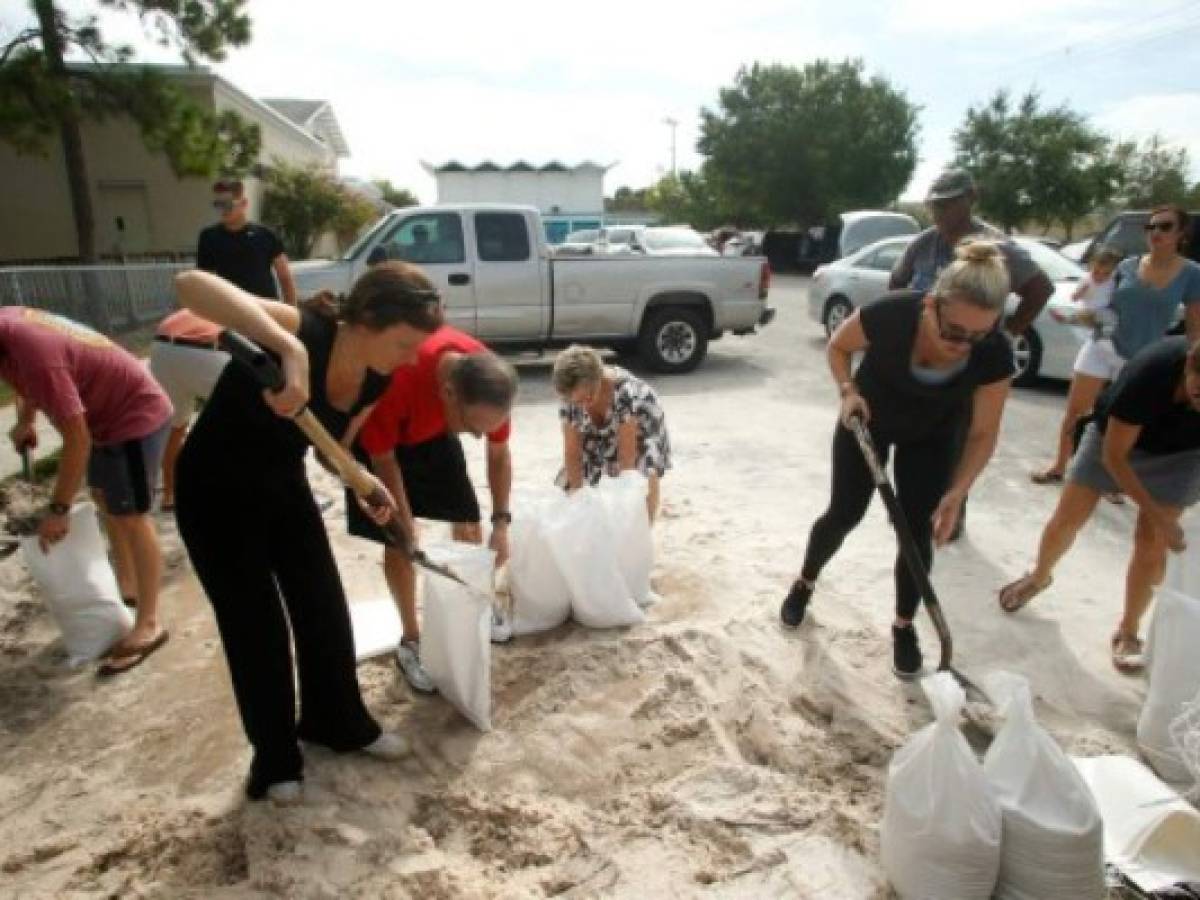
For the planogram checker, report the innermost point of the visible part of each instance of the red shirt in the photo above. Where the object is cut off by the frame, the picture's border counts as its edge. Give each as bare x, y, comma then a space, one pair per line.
184, 324
410, 411
66, 369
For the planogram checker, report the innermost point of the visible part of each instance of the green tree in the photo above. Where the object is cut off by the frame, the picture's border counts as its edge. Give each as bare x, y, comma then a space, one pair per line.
627, 199
685, 199
1154, 173
304, 202
796, 146
1034, 164
43, 98
397, 197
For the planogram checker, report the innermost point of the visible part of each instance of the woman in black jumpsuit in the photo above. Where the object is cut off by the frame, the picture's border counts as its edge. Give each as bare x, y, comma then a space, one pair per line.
249, 521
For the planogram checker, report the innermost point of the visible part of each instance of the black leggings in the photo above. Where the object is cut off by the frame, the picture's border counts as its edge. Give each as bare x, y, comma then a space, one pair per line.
922, 473
263, 557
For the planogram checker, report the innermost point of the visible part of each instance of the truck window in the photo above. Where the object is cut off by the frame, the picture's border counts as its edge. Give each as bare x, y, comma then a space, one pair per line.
501, 237
427, 238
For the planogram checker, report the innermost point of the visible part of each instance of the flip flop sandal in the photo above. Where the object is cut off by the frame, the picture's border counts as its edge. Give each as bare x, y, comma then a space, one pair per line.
1116, 498
1128, 654
1046, 477
1015, 595
123, 660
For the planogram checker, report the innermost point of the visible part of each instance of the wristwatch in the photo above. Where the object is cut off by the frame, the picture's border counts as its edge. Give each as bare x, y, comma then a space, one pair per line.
58, 509
502, 516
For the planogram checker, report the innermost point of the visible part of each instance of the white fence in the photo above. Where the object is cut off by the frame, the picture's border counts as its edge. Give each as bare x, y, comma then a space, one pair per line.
112, 299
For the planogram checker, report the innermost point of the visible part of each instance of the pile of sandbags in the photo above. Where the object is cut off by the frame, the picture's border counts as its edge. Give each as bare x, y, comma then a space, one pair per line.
79, 587
587, 555
1172, 663
941, 823
456, 647
1053, 837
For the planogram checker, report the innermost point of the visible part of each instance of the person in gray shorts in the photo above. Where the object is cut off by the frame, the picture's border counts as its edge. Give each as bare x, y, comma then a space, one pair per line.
1145, 442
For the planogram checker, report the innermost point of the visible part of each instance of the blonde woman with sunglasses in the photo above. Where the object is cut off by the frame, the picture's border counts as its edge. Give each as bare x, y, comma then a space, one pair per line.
931, 361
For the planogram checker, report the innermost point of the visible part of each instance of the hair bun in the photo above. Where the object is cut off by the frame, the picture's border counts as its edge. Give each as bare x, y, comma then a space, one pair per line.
977, 251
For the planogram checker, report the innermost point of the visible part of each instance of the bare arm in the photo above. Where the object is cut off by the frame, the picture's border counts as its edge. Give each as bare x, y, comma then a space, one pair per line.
846, 341
572, 456
1119, 439
902, 272
499, 475
72, 466
1034, 294
987, 408
283, 271
388, 470
1191, 320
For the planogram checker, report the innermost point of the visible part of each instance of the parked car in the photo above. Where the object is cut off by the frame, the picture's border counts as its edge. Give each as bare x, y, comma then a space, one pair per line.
579, 243
1074, 251
1126, 232
673, 242
745, 243
1046, 350
499, 280
849, 233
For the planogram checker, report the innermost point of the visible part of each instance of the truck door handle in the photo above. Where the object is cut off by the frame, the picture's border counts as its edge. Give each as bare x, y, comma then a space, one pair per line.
459, 278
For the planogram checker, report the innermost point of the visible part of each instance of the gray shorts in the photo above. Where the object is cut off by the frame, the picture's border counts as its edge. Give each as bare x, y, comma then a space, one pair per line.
1172, 479
126, 474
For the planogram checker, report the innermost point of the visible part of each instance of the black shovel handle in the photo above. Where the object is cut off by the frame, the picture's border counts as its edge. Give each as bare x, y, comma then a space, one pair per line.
260, 363
908, 544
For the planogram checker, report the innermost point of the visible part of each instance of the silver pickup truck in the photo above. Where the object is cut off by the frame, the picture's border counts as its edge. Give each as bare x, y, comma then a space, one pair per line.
501, 281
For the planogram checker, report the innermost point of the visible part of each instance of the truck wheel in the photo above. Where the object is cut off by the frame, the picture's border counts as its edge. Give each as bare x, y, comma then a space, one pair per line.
673, 340
837, 310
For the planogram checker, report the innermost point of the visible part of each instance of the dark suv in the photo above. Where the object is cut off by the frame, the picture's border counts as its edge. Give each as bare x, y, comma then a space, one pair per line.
1127, 232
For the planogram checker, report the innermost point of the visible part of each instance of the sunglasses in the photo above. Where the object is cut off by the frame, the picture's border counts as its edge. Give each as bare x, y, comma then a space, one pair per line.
1161, 225
223, 205
956, 334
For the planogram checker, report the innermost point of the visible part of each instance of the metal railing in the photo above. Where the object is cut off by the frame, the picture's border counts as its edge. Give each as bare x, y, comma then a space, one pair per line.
113, 299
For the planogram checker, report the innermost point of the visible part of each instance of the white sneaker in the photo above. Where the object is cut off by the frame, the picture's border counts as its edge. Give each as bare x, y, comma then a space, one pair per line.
408, 658
285, 793
502, 631
388, 746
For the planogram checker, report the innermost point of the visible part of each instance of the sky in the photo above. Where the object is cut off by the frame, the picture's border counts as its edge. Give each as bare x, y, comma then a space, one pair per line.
541, 80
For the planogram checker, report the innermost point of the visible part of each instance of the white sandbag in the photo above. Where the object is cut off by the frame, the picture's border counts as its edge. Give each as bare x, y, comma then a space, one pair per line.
625, 500
1053, 844
1173, 672
941, 825
80, 588
1150, 833
585, 546
540, 594
456, 647
376, 627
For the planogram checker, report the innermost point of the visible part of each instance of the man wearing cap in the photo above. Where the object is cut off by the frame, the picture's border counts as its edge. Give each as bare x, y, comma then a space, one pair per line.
950, 200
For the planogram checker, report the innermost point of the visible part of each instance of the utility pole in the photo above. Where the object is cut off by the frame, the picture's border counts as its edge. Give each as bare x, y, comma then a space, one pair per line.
672, 124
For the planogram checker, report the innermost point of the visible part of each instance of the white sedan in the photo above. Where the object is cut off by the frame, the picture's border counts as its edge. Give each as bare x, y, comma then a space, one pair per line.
1047, 349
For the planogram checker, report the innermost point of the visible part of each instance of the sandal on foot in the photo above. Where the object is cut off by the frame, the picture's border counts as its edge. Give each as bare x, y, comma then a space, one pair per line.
1049, 476
1128, 653
1015, 595
1116, 498
125, 658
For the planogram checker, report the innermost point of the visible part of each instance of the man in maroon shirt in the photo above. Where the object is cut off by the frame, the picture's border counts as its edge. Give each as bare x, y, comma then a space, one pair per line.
114, 419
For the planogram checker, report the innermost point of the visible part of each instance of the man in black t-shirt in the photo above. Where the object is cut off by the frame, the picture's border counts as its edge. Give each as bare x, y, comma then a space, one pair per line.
243, 252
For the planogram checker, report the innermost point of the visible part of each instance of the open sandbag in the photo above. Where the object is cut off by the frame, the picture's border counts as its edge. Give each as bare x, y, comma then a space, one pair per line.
941, 826
584, 544
541, 597
79, 587
456, 648
625, 500
1173, 672
1053, 840
1150, 834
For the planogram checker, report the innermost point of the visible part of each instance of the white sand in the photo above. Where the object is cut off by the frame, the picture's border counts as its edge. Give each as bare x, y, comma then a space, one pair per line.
707, 752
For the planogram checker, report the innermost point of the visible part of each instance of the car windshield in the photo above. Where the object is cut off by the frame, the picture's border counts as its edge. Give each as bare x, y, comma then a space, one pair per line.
1056, 266
367, 236
584, 236
674, 239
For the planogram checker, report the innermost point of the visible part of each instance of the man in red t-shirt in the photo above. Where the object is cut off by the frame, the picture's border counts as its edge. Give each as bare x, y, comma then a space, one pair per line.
456, 385
113, 418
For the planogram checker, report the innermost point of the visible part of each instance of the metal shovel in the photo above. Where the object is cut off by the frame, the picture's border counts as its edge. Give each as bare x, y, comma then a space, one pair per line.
912, 557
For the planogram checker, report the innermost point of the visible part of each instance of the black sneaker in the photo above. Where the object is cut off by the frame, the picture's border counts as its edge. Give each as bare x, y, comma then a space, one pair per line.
796, 604
906, 653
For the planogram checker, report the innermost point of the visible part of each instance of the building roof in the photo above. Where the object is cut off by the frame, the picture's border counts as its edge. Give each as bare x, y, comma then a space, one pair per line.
519, 166
315, 117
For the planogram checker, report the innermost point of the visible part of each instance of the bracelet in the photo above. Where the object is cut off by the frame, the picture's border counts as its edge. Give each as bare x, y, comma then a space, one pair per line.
58, 509
502, 516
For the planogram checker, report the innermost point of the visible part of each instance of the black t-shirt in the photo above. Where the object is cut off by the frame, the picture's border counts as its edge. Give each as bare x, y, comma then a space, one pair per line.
237, 436
1144, 394
902, 407
242, 257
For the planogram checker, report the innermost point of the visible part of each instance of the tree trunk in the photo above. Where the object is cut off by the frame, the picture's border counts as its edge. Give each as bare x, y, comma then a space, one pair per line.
71, 135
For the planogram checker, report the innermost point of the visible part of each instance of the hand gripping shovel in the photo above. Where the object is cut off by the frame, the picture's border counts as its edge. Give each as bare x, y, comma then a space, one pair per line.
351, 473
912, 557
